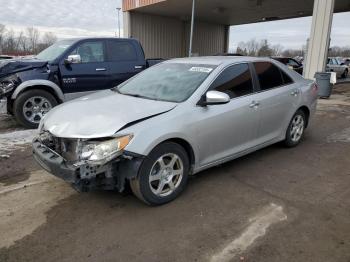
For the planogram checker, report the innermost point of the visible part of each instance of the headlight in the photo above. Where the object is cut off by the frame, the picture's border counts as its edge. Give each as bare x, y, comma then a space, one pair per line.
8, 84
102, 152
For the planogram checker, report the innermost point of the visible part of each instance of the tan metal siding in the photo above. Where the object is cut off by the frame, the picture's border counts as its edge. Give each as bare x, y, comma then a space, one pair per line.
133, 4
208, 39
161, 37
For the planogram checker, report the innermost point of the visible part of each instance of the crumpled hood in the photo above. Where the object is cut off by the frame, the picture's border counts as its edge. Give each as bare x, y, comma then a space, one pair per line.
101, 114
12, 66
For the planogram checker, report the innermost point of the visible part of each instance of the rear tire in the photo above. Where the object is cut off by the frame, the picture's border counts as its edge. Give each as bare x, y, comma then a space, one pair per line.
30, 106
163, 174
296, 128
345, 74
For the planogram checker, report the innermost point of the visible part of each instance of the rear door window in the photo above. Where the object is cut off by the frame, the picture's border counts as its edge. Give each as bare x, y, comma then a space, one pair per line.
235, 81
121, 51
287, 80
269, 75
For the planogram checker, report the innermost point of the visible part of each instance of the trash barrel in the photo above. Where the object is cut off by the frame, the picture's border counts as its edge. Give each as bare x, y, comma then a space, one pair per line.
323, 80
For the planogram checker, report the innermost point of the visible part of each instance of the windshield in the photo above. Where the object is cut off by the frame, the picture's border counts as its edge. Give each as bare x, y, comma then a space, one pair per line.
167, 82
55, 50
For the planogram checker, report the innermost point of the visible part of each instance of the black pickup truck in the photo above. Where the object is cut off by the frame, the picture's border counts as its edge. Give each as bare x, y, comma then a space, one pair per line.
67, 70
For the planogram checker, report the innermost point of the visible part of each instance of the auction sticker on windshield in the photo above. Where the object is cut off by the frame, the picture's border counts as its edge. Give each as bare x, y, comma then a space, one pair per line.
201, 69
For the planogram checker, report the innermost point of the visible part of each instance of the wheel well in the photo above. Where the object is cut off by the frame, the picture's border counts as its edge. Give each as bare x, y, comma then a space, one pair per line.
306, 112
44, 88
188, 148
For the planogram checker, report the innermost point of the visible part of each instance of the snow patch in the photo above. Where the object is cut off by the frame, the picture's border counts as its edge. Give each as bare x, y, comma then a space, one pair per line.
257, 228
16, 140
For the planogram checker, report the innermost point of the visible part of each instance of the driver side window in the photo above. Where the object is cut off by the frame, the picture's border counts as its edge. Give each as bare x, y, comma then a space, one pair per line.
90, 52
235, 81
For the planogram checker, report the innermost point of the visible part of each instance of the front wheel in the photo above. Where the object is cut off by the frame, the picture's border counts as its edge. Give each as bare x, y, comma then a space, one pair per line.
31, 106
295, 129
163, 174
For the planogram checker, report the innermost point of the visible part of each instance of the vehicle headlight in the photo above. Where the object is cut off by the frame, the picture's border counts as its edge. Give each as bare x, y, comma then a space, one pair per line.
99, 152
8, 84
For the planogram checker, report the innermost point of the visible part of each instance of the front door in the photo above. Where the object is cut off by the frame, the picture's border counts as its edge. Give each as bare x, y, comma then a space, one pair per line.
90, 74
224, 130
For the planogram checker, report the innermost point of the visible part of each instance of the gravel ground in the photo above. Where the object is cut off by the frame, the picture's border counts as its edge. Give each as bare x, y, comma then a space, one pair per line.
276, 204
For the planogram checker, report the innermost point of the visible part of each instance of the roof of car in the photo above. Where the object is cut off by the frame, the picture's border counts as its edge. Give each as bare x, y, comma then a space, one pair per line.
97, 38
217, 60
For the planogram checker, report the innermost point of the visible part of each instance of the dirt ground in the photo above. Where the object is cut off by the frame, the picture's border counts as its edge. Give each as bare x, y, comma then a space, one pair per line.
276, 204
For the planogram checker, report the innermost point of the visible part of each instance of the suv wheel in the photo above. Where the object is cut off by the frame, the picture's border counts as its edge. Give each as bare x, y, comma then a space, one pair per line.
32, 105
295, 129
163, 174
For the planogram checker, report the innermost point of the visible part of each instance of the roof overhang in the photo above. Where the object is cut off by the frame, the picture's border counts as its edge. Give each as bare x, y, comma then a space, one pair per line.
230, 12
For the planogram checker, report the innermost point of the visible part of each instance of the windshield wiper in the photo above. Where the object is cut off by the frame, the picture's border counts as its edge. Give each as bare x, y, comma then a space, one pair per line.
136, 95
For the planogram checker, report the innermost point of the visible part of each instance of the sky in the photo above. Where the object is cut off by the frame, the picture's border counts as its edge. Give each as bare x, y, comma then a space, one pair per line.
76, 18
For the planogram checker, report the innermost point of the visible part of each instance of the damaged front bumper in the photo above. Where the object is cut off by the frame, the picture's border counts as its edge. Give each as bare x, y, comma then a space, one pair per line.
85, 177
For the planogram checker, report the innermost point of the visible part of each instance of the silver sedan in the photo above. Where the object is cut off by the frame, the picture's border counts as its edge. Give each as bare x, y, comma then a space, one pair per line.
174, 120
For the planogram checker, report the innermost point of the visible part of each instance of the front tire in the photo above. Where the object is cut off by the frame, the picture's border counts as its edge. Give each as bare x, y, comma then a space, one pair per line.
30, 107
163, 174
296, 128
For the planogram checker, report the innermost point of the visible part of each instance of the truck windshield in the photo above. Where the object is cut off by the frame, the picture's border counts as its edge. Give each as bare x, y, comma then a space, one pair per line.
55, 50
173, 82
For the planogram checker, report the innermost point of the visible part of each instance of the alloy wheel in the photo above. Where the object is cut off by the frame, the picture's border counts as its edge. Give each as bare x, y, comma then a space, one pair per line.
166, 175
35, 108
297, 128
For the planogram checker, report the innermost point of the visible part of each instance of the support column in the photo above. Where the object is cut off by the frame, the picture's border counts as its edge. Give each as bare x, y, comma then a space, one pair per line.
126, 24
317, 51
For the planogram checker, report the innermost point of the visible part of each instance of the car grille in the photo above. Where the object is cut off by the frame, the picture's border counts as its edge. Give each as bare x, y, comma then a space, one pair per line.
67, 148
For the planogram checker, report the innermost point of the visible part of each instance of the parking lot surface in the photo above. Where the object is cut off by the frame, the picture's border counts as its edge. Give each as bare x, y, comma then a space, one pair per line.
276, 204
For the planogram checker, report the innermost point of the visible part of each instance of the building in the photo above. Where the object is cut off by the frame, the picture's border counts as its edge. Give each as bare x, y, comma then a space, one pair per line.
163, 26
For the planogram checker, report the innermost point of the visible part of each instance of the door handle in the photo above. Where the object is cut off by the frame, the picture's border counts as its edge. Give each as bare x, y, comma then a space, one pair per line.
139, 67
254, 104
100, 69
295, 93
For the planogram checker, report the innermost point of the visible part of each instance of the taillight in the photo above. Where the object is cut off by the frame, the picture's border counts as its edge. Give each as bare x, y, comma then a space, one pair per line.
314, 88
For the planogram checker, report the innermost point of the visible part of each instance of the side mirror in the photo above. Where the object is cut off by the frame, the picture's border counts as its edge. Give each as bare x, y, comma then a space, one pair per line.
342, 64
214, 98
73, 59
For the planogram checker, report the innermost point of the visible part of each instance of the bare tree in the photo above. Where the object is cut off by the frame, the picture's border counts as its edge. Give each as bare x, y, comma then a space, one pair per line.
33, 38
22, 42
9, 45
48, 39
277, 50
2, 36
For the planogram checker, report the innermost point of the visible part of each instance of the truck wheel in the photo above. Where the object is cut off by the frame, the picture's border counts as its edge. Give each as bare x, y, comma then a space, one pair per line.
345, 74
32, 105
162, 175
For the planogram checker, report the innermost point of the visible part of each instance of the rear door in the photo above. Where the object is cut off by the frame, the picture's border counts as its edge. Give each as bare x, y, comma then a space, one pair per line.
91, 74
224, 130
125, 59
278, 100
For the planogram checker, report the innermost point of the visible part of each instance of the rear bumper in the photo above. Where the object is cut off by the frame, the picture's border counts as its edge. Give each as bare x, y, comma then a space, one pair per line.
83, 178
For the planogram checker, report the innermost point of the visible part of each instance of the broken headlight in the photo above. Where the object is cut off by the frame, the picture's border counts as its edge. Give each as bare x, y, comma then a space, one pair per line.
100, 152
8, 84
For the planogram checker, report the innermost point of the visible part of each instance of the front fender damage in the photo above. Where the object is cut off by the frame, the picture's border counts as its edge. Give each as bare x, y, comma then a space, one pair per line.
111, 176
85, 177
